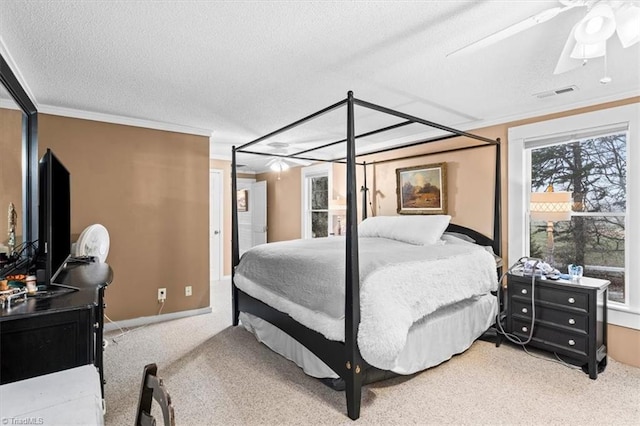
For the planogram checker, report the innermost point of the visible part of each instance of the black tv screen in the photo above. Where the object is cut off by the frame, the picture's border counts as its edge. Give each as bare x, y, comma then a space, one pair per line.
54, 215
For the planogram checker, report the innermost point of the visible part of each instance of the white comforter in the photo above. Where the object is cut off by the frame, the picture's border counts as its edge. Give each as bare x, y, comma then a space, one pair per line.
400, 284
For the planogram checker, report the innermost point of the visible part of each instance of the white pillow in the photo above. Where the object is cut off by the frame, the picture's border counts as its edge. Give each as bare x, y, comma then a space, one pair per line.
420, 230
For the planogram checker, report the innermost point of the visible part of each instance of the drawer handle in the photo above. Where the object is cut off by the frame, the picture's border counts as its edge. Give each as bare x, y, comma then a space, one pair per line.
572, 342
524, 291
572, 300
572, 321
525, 310
525, 329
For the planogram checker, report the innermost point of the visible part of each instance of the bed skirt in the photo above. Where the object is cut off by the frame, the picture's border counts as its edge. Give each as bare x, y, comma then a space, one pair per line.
431, 341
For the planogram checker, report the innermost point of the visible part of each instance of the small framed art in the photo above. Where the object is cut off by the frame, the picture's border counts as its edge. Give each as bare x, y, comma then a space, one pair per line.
243, 200
422, 189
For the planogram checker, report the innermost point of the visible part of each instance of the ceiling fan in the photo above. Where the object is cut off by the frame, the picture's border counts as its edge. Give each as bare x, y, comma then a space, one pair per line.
588, 36
278, 163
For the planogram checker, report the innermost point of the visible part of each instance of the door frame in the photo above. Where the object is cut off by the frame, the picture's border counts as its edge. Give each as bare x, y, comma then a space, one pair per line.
216, 272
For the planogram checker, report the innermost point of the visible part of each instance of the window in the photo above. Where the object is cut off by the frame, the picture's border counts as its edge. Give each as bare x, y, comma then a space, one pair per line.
315, 199
594, 170
319, 205
595, 156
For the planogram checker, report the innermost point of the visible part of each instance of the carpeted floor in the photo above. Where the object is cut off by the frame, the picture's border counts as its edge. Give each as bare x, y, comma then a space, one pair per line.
218, 374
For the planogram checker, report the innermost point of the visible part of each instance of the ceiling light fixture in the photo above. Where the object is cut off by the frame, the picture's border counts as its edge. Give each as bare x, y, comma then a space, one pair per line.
597, 26
588, 38
628, 24
279, 165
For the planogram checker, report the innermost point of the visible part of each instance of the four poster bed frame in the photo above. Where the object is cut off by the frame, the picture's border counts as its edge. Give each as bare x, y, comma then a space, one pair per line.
344, 357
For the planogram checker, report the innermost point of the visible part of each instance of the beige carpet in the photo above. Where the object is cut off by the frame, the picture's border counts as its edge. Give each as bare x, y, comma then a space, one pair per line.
217, 374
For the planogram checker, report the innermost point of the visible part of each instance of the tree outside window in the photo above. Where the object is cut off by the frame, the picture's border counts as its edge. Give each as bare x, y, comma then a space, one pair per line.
595, 171
319, 208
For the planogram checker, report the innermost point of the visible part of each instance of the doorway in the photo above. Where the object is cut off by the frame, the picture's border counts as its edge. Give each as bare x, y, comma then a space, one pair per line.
215, 224
252, 220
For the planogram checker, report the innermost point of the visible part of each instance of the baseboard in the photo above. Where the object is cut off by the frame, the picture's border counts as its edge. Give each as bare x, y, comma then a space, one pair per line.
137, 322
226, 277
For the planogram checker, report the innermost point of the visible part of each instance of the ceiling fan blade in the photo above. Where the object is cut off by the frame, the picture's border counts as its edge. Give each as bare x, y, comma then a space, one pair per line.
565, 61
514, 29
298, 161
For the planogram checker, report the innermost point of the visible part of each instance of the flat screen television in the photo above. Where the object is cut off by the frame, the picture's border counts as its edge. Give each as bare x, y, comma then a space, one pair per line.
54, 216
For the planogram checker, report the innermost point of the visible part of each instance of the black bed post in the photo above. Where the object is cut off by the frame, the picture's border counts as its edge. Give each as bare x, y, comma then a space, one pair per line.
354, 365
235, 249
497, 207
364, 191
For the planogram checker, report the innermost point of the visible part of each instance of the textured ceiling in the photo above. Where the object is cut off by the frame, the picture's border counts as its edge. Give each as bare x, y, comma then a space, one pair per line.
242, 69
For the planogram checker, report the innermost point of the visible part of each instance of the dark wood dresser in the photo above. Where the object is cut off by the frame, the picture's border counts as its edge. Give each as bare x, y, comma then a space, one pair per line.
57, 330
570, 317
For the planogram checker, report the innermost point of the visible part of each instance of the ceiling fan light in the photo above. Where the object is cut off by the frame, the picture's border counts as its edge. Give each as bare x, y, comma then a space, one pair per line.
275, 166
279, 165
597, 26
628, 25
588, 51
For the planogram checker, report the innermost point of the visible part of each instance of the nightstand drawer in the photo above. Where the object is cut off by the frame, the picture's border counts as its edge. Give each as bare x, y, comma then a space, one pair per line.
570, 317
551, 336
553, 294
570, 320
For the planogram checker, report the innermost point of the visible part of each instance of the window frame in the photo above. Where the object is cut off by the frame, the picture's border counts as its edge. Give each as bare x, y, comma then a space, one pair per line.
317, 170
519, 167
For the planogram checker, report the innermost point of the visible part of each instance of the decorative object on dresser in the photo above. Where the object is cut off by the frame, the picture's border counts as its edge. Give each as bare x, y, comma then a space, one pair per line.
566, 317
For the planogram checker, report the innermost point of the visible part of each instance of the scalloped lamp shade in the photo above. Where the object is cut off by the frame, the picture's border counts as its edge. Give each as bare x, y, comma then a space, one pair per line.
550, 206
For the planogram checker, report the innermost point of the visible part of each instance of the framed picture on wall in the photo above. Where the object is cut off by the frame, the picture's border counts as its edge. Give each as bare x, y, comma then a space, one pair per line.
243, 200
422, 189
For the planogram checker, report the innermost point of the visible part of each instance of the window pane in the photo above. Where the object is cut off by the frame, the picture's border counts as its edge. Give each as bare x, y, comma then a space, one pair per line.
319, 193
319, 224
595, 242
594, 170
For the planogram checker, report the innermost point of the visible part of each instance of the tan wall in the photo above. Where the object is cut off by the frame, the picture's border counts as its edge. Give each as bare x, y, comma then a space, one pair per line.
150, 189
10, 170
284, 214
624, 344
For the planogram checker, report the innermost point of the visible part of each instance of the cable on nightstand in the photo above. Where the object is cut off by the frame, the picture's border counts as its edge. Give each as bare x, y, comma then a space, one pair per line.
512, 337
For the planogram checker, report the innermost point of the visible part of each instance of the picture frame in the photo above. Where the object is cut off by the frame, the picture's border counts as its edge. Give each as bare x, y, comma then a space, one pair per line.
422, 189
243, 200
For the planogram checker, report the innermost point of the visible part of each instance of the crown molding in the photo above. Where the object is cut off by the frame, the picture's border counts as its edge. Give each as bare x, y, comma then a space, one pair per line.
548, 111
118, 119
221, 157
9, 104
16, 71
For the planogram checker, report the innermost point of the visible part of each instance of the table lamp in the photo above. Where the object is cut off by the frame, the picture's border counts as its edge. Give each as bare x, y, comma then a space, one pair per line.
550, 206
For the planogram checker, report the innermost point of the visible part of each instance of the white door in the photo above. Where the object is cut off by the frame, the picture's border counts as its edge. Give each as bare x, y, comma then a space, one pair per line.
215, 224
259, 213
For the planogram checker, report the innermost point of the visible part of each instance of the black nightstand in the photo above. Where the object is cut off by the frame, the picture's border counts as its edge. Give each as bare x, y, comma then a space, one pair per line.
570, 317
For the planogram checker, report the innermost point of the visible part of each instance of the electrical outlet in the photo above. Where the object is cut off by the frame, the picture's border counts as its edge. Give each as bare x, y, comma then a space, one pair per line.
188, 291
162, 294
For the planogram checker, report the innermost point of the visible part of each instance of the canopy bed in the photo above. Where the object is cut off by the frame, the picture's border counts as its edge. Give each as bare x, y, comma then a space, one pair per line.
356, 309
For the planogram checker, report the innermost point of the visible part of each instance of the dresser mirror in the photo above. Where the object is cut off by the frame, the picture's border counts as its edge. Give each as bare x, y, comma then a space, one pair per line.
18, 159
